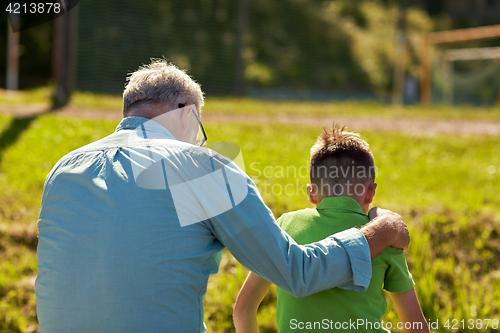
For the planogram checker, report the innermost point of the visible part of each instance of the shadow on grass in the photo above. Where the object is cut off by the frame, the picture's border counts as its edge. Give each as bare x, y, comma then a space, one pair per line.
15, 129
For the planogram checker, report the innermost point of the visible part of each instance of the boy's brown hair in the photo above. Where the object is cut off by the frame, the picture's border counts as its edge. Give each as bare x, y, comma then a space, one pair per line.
340, 158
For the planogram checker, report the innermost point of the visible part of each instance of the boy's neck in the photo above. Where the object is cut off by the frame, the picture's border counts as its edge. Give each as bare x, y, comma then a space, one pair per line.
364, 199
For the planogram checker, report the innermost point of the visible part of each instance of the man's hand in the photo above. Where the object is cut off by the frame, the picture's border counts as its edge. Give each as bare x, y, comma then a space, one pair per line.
402, 237
386, 229
377, 211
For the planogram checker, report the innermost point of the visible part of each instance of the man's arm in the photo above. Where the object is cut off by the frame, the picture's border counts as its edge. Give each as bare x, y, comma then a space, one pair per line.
386, 229
409, 311
247, 303
251, 234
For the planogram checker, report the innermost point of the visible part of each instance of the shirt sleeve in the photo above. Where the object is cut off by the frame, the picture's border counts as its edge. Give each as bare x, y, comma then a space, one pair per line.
398, 278
252, 235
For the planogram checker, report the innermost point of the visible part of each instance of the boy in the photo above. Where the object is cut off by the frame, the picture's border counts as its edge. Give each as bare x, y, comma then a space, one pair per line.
342, 188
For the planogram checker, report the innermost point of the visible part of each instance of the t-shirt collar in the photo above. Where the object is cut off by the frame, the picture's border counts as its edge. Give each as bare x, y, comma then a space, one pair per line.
341, 203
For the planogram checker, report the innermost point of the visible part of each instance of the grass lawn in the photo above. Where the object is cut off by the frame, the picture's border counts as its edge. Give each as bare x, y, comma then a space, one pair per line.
247, 106
445, 187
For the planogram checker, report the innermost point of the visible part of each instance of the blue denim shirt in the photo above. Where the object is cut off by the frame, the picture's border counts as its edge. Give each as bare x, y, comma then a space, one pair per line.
122, 249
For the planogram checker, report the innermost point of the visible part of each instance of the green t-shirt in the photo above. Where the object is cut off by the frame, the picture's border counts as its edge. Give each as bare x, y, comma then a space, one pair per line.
339, 309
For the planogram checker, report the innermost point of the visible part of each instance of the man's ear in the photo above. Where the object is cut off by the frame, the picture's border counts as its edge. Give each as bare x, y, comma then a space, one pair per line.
370, 193
184, 115
312, 193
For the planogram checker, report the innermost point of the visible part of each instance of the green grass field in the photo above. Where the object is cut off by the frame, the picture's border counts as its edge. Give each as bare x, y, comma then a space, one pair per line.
445, 187
245, 106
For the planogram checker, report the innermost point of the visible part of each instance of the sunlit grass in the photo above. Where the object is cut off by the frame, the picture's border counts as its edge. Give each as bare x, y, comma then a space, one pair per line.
348, 109
39, 95
250, 106
445, 187
93, 101
457, 173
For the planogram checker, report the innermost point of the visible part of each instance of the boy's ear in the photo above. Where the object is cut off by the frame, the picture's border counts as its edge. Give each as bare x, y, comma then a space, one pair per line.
312, 193
370, 193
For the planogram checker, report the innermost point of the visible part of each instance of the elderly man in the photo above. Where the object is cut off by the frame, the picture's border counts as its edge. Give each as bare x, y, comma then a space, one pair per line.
131, 226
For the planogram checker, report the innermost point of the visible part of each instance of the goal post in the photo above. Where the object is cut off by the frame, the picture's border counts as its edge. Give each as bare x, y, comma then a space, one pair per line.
442, 37
450, 56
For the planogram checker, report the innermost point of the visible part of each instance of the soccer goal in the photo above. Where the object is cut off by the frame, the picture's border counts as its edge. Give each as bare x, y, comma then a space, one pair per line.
480, 80
482, 62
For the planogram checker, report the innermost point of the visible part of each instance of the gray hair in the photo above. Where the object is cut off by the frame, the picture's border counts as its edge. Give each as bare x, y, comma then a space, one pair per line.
160, 82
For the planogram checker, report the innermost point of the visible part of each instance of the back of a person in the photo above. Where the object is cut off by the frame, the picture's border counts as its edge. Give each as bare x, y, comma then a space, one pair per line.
115, 264
336, 308
342, 175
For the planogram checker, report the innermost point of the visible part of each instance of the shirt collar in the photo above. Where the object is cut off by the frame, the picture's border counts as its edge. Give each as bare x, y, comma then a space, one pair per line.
131, 123
341, 204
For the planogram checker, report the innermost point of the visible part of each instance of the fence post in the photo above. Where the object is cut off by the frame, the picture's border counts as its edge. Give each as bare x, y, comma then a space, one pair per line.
12, 82
243, 15
63, 57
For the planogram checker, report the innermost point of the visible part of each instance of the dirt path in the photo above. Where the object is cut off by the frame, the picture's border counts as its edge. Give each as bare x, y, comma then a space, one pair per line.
402, 125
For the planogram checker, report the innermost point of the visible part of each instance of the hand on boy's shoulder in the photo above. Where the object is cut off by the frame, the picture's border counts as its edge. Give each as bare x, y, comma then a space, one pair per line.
377, 211
394, 222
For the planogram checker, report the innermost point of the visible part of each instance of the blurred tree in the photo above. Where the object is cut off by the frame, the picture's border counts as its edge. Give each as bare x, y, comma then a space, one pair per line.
298, 46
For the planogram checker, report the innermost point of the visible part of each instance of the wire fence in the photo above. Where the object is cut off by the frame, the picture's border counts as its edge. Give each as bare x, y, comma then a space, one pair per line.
116, 37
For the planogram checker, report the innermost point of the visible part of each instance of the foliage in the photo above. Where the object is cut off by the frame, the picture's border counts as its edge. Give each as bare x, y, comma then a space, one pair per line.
301, 47
321, 44
374, 37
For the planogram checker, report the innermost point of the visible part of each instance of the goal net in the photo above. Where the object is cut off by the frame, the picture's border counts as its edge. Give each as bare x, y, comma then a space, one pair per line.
468, 76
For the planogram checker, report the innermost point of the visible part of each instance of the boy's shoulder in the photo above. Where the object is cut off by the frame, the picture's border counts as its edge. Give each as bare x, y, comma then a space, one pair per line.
302, 225
297, 215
